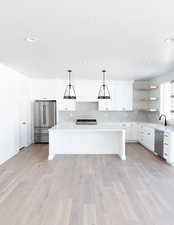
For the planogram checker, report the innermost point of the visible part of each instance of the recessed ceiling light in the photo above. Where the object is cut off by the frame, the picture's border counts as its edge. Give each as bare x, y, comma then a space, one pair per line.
31, 39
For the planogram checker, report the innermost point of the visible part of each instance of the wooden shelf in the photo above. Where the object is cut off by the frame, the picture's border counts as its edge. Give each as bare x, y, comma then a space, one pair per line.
151, 99
148, 110
147, 89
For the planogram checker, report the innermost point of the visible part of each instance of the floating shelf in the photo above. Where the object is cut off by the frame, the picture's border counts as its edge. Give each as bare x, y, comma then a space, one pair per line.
151, 99
153, 87
148, 110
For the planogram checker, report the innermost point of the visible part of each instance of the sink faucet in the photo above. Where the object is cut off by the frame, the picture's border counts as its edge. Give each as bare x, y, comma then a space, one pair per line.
165, 121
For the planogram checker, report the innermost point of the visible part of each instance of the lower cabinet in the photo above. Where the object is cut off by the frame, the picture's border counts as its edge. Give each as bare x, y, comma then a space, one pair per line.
169, 147
131, 131
146, 137
166, 145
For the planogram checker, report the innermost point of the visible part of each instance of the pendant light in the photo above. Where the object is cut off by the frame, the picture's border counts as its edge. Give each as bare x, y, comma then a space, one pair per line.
69, 91
104, 90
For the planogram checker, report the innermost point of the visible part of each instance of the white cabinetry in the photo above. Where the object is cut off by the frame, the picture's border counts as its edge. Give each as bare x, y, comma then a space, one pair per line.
146, 136
166, 145
131, 131
105, 105
121, 97
149, 138
67, 105
169, 147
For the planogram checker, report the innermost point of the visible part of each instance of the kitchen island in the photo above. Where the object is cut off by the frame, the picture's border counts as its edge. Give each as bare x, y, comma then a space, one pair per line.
93, 139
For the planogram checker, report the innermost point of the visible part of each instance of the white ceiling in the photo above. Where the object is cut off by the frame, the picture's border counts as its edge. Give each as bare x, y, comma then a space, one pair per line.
124, 37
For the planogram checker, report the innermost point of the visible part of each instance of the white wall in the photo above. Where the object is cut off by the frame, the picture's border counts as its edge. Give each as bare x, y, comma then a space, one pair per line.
14, 101
163, 78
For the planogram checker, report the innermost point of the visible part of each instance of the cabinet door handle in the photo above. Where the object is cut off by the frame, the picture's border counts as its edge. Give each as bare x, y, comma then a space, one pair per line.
166, 144
166, 135
44, 114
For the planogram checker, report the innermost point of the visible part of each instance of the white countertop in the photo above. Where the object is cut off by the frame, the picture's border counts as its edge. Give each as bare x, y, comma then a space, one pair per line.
99, 127
158, 126
115, 126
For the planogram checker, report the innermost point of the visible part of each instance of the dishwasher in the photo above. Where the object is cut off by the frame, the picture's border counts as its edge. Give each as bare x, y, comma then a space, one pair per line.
159, 139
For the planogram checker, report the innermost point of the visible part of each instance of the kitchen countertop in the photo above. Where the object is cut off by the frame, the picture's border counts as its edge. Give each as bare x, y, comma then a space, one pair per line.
110, 126
98, 127
158, 126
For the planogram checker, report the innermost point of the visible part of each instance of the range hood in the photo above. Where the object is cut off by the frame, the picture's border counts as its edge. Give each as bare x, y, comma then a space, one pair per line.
86, 99
84, 106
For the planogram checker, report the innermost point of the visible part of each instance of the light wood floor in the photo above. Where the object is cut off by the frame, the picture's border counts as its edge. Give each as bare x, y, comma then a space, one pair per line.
86, 190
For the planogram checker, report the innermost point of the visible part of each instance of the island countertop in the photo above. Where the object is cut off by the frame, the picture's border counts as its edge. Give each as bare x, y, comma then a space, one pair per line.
98, 127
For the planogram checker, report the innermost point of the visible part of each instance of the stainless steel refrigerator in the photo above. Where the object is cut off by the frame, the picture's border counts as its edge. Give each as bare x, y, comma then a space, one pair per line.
44, 118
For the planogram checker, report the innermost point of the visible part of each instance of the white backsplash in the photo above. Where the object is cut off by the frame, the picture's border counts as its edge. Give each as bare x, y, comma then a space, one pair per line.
68, 117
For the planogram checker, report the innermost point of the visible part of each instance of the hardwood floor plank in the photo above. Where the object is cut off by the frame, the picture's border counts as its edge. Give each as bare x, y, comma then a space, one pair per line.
86, 189
89, 214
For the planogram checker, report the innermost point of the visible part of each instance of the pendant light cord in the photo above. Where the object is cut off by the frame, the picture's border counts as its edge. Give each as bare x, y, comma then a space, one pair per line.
103, 76
69, 71
104, 82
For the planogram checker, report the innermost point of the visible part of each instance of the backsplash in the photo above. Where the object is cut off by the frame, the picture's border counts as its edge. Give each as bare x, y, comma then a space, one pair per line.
101, 117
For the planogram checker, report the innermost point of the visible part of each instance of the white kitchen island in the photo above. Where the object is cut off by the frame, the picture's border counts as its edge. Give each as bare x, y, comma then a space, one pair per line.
80, 139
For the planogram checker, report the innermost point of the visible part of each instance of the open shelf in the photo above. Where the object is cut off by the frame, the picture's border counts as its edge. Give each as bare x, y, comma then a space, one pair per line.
148, 110
146, 89
151, 99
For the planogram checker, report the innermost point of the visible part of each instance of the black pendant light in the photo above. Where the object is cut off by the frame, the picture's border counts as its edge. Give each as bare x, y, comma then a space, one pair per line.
69, 91
104, 90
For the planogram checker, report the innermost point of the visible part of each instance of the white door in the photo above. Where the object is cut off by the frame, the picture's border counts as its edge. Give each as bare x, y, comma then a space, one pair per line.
23, 123
23, 134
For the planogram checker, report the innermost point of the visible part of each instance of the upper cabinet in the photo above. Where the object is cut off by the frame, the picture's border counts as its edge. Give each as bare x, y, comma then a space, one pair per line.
87, 90
66, 105
121, 97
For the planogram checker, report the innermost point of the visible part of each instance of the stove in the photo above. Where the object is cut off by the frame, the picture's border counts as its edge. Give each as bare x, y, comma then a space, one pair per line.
86, 122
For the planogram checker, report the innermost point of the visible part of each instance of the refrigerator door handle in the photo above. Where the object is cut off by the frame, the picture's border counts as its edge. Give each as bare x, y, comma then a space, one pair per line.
44, 114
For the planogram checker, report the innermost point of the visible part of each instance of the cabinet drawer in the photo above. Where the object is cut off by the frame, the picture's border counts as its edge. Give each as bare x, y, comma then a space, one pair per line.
166, 151
166, 138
